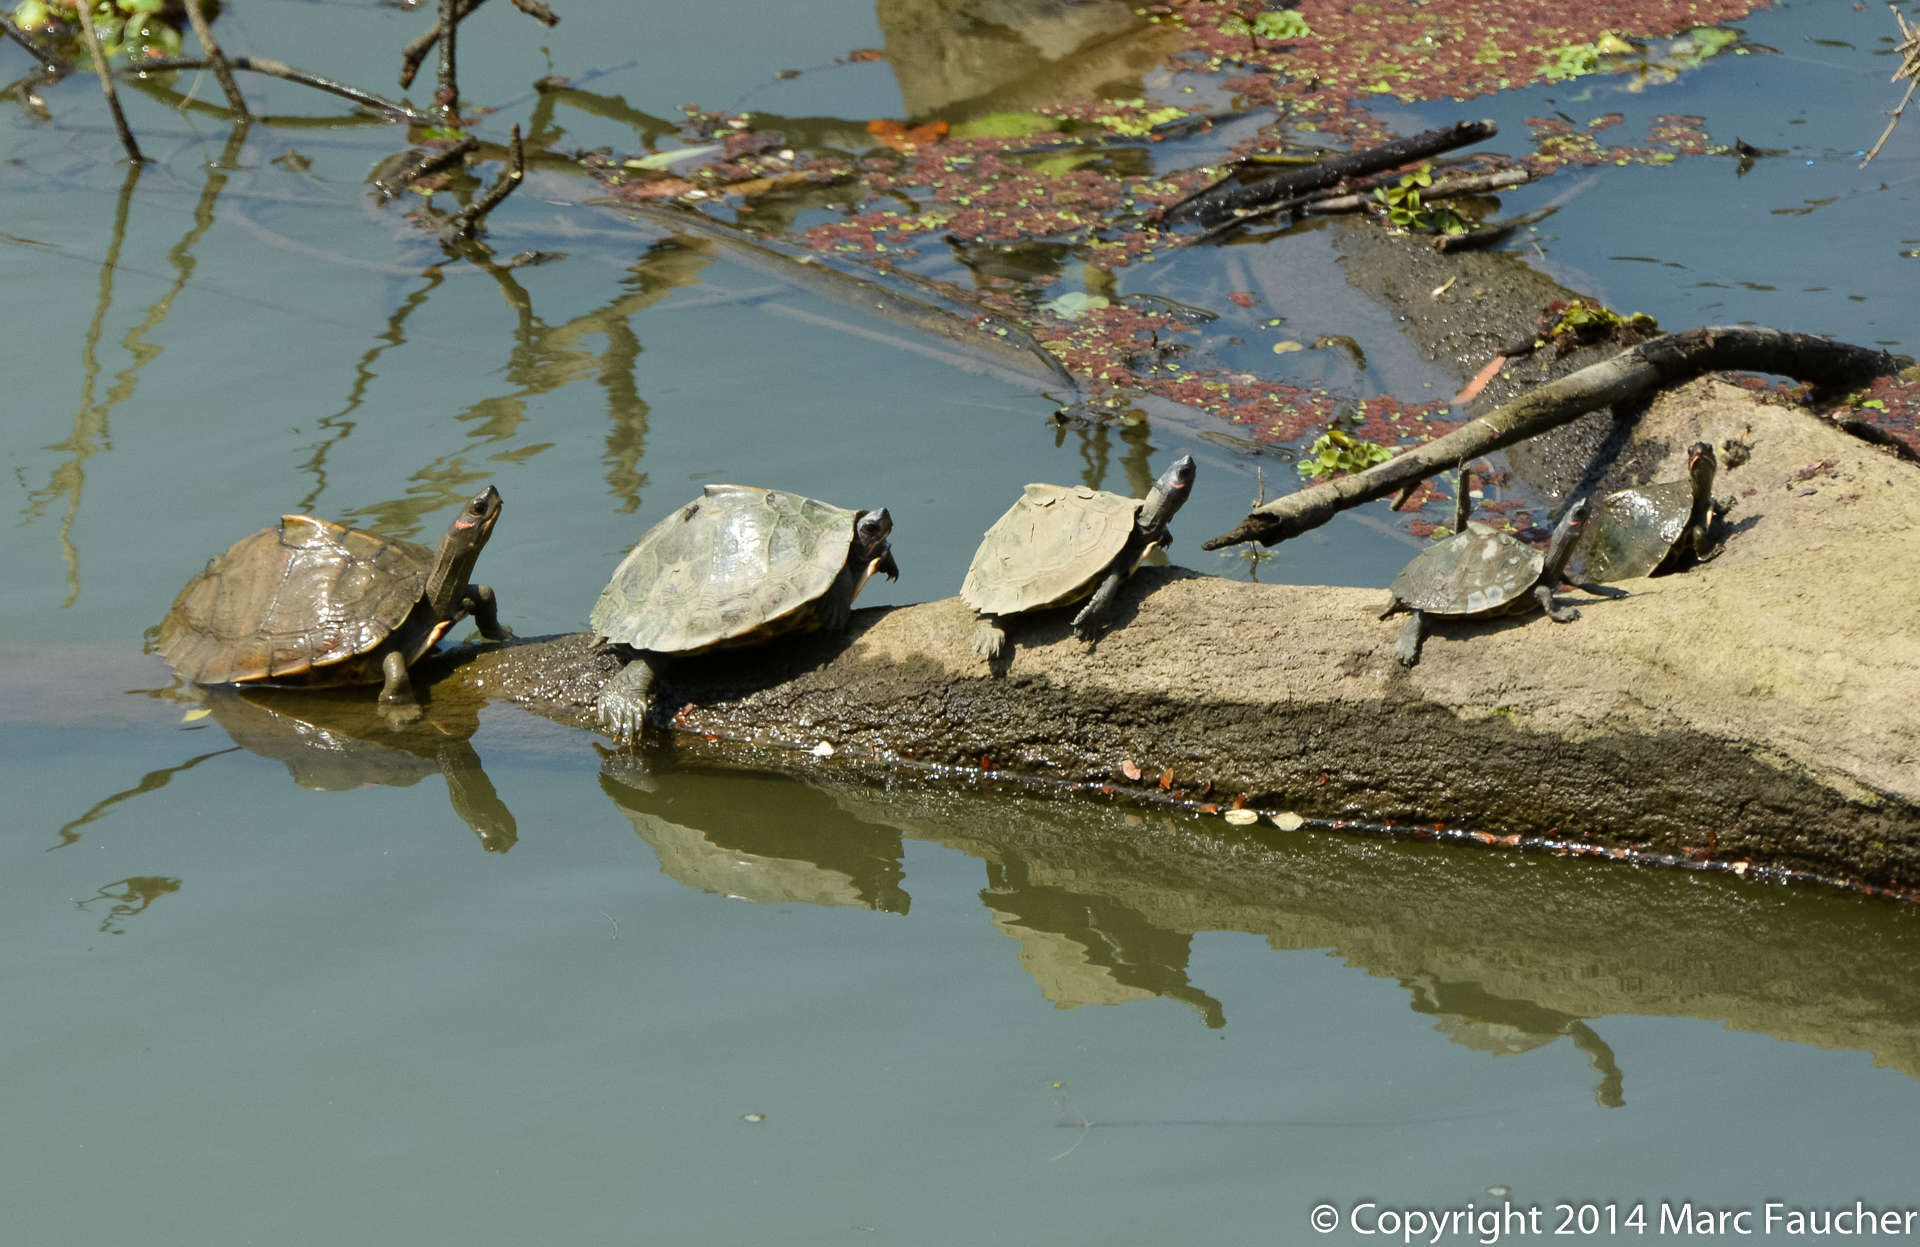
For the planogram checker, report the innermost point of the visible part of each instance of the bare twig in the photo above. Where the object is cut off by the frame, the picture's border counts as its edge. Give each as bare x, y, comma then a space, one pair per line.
1631, 374
1909, 51
106, 83
446, 96
468, 219
416, 52
48, 58
280, 69
203, 31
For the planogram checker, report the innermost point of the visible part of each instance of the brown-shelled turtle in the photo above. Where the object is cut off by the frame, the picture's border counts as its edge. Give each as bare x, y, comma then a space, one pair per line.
311, 603
736, 566
1059, 544
1479, 572
1652, 528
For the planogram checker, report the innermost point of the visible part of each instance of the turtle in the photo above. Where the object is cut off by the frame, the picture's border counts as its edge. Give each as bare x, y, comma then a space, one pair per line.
1479, 572
1059, 544
311, 603
1653, 528
737, 566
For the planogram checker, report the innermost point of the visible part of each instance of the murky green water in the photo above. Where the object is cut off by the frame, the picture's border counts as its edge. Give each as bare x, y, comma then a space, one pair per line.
264, 994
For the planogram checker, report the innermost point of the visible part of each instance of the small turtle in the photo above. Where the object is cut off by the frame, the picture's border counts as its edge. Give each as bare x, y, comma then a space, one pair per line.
312, 603
1057, 545
1479, 572
736, 566
1654, 528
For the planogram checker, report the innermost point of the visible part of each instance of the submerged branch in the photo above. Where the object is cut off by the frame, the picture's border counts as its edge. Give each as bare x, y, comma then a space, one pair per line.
1632, 374
468, 218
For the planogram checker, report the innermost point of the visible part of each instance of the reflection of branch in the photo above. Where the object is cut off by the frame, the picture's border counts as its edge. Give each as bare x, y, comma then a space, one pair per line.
280, 69
106, 82
152, 781
196, 14
69, 477
416, 51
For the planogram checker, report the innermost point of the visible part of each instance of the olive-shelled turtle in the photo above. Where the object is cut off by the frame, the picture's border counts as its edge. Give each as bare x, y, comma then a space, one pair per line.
1479, 572
1652, 528
736, 566
312, 603
1059, 544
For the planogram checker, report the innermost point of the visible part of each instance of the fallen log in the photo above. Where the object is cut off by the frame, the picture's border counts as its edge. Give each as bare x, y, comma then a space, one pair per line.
1757, 713
1634, 374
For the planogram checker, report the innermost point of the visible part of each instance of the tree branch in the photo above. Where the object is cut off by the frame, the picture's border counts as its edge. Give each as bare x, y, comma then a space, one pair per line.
1632, 374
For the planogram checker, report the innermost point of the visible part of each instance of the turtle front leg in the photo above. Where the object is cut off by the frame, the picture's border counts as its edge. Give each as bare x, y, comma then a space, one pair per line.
989, 639
398, 702
480, 603
1407, 649
1559, 614
1093, 616
625, 700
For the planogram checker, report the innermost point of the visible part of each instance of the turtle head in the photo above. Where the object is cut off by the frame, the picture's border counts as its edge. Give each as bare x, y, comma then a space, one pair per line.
460, 549
871, 552
1565, 535
1168, 495
1701, 466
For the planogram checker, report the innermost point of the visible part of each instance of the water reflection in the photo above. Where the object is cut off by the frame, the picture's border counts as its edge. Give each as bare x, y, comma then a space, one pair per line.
1475, 1018
1506, 955
1001, 53
338, 740
130, 897
757, 838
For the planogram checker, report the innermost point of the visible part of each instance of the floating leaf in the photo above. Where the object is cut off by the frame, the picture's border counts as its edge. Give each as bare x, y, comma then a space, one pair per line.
195, 715
1076, 303
1240, 818
661, 160
1288, 821
1288, 347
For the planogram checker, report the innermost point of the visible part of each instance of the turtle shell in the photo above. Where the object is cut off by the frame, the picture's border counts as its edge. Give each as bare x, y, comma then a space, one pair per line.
1635, 529
1481, 571
304, 602
736, 566
1050, 548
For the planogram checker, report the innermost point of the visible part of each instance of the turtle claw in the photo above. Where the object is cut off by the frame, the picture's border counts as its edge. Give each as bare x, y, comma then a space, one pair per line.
620, 717
989, 639
624, 703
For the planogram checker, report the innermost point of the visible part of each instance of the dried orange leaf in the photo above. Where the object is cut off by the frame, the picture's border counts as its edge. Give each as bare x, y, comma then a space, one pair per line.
1130, 768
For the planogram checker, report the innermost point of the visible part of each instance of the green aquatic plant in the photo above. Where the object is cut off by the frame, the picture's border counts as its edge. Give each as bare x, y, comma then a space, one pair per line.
1340, 451
133, 29
1407, 210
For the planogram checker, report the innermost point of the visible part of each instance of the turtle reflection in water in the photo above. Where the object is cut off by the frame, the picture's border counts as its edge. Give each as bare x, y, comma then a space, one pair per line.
736, 566
1057, 545
332, 743
311, 603
1653, 528
1480, 572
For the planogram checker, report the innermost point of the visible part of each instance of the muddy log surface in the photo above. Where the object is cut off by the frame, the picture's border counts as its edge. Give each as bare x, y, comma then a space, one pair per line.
1758, 711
